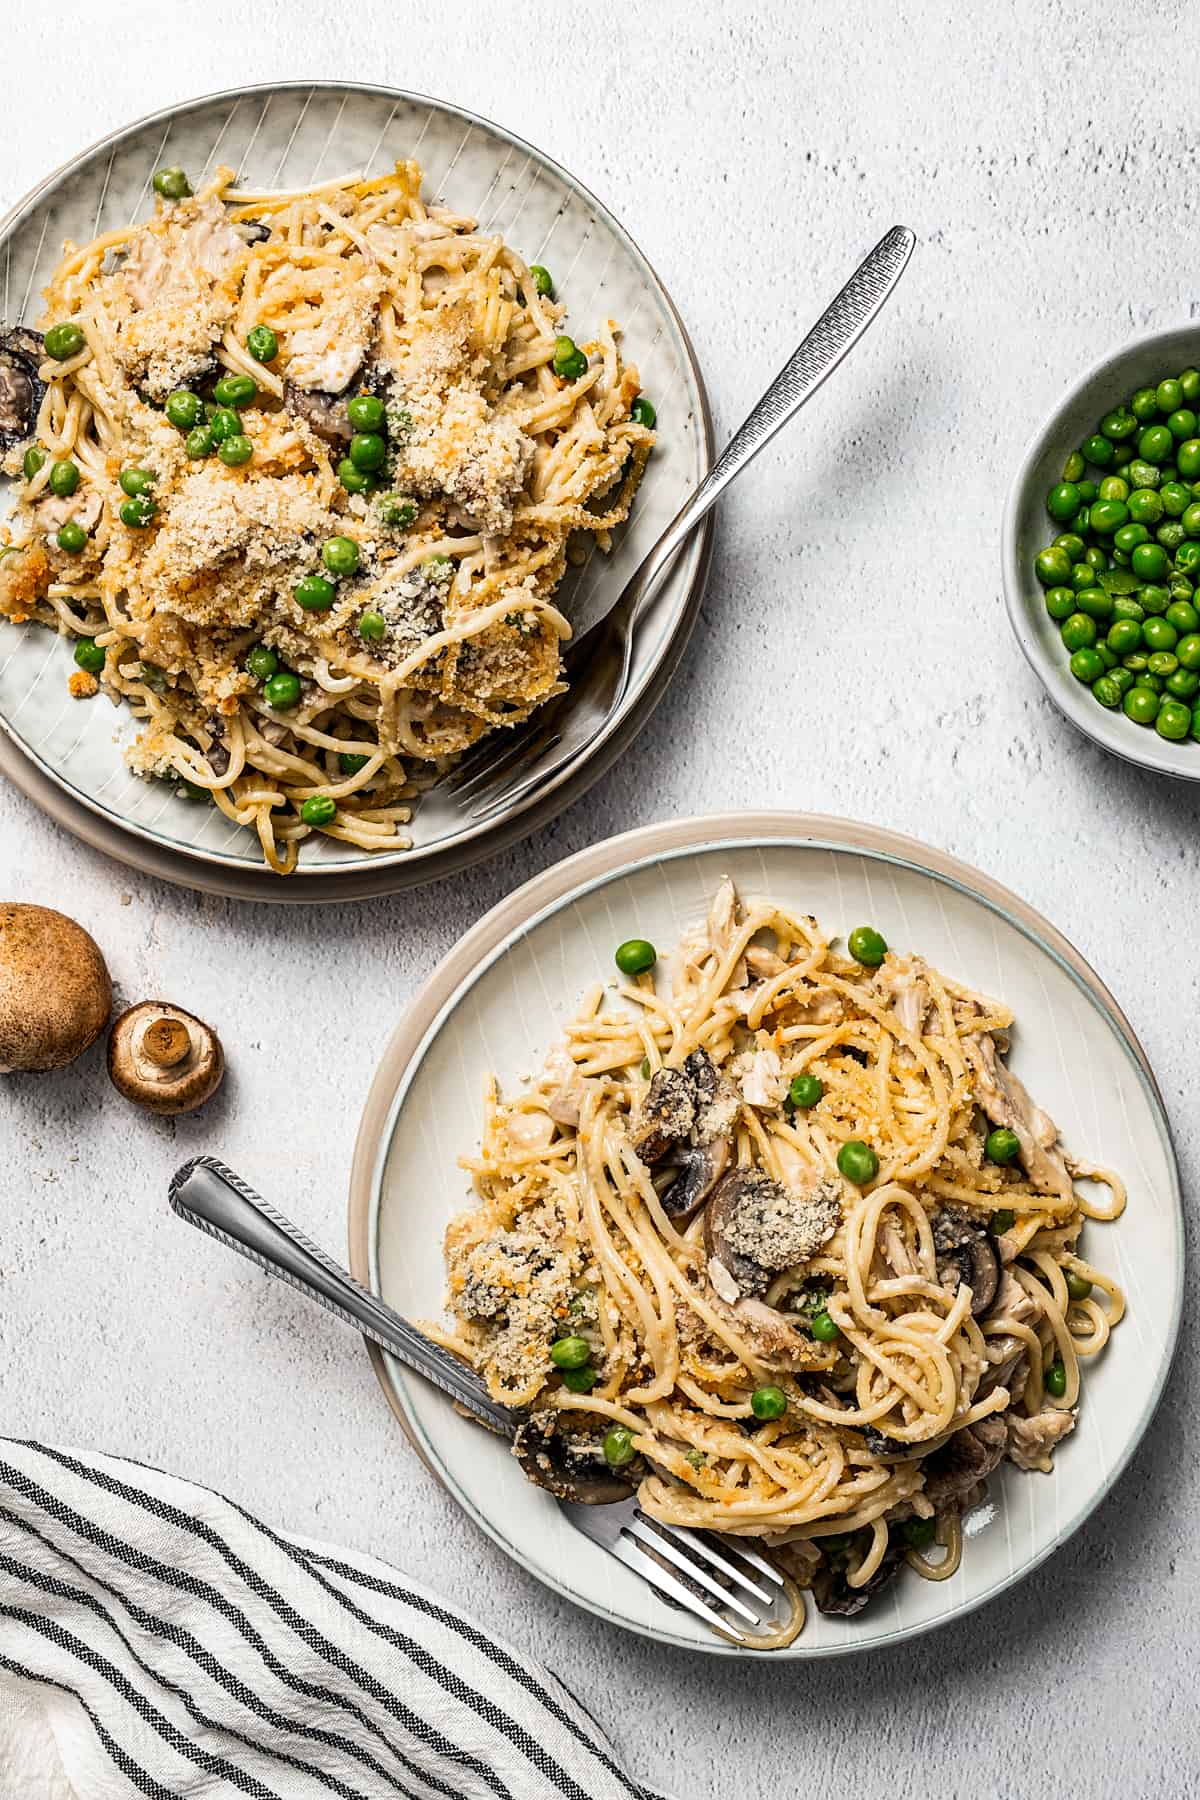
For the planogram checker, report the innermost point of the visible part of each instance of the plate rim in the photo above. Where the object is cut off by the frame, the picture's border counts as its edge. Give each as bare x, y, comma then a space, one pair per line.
410, 868
521, 912
1146, 749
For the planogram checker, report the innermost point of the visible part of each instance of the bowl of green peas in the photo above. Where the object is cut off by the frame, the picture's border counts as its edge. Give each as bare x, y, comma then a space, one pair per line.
1101, 549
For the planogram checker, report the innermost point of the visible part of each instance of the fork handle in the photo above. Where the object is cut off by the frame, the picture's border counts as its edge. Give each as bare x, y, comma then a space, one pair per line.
816, 356
210, 1196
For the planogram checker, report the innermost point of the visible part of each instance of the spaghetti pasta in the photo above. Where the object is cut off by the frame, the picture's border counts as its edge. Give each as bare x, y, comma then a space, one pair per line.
417, 404
758, 1237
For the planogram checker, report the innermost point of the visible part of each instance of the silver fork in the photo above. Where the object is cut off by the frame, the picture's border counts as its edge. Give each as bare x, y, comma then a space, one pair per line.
596, 666
732, 1588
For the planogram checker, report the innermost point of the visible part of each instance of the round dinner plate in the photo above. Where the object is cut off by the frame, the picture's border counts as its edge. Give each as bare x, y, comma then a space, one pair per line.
497, 1004
288, 135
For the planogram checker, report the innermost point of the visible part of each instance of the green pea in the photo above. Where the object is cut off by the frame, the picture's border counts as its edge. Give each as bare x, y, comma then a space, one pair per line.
542, 281
1175, 498
1141, 474
866, 946
340, 555
1060, 602
1187, 559
1079, 632
225, 423
824, 1329
1188, 651
919, 1533
1145, 506
1153, 682
1152, 598
618, 1446
172, 183
354, 480
858, 1162
1098, 450
89, 655
1129, 537
1078, 1286
1113, 487
184, 409
1189, 382
199, 442
1188, 458
1181, 588
1056, 1379
1122, 455
134, 481
62, 342
1123, 679
1083, 577
644, 1068
1087, 666
137, 512
1183, 616
397, 510
321, 809
1182, 424
1124, 635
1141, 705
1096, 557
1183, 684
642, 413
235, 390
372, 627
1107, 691
1094, 602
367, 451
569, 361
262, 343
236, 450
63, 479
261, 662
570, 1352
1144, 404
1072, 543
1074, 467
1194, 733
1149, 562
1159, 635
349, 762
366, 413
1173, 721
282, 691
1170, 534
1106, 516
768, 1403
1001, 1146
71, 537
1003, 1219
1119, 424
1170, 395
805, 1090
635, 956
1108, 658
580, 1381
314, 593
1062, 502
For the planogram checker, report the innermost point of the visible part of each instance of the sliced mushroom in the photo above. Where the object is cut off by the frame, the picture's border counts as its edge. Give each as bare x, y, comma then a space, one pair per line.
834, 1595
965, 1461
966, 1256
55, 992
325, 413
567, 1469
700, 1168
21, 390
667, 1115
163, 1058
755, 1228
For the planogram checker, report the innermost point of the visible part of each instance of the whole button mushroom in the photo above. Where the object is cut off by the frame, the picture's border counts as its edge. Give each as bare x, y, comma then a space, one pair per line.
55, 993
163, 1058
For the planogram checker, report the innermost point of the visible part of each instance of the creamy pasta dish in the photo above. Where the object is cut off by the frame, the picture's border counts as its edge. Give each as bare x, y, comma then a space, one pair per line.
784, 1241
300, 473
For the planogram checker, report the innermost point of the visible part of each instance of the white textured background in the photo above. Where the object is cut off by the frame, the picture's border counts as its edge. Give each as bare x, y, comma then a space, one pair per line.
853, 657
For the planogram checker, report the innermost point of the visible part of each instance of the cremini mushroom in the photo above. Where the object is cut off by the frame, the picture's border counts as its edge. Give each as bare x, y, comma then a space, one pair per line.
21, 388
685, 1123
755, 1228
165, 1059
966, 1256
55, 993
568, 1469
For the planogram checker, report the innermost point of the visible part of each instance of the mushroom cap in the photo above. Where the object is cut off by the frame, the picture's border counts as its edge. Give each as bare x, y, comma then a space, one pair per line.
164, 1058
55, 992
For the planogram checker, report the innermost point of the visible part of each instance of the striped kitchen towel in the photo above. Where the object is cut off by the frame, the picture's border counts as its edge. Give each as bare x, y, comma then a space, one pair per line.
155, 1639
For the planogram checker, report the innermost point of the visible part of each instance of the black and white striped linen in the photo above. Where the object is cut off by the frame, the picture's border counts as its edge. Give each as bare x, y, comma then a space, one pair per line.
157, 1640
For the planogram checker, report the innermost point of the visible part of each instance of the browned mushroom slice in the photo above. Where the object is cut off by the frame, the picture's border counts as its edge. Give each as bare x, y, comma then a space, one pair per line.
833, 1593
755, 1228
700, 1168
21, 391
966, 1256
667, 1115
964, 1462
565, 1468
326, 414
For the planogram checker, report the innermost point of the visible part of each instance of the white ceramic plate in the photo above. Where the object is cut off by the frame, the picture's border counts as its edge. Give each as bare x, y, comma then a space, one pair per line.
1028, 528
496, 1005
288, 135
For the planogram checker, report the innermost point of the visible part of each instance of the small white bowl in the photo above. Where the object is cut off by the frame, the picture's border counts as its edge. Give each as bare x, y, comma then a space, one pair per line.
1028, 527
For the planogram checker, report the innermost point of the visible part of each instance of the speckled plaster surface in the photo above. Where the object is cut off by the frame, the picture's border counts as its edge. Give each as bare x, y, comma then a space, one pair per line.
852, 657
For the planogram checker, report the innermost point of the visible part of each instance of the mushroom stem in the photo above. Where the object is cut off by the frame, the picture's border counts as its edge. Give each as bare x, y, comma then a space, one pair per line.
166, 1041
